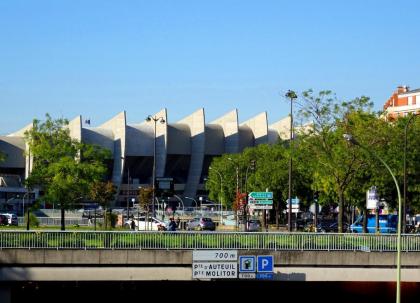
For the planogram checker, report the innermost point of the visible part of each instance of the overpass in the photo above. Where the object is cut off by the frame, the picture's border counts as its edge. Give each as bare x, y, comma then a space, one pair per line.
143, 256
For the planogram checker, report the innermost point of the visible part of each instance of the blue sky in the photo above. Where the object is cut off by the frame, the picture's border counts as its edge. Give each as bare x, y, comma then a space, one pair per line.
98, 58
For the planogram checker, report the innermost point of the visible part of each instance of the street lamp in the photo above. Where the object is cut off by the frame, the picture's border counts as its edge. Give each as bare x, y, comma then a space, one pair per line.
196, 204
237, 186
405, 166
221, 185
252, 166
161, 120
221, 193
23, 210
350, 138
128, 183
291, 95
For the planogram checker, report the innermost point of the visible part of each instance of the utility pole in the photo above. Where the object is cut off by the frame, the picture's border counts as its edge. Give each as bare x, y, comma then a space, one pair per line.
291, 95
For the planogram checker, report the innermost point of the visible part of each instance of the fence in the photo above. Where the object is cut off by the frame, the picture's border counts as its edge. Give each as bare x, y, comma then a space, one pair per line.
205, 240
50, 221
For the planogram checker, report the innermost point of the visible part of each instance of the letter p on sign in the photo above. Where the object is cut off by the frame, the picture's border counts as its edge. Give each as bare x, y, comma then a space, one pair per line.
265, 264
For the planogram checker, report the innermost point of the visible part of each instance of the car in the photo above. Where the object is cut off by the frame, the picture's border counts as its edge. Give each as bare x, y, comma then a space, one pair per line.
201, 224
254, 225
11, 219
331, 227
141, 224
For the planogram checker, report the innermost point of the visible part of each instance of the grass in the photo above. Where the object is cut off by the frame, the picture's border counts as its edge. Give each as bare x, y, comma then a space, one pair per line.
124, 239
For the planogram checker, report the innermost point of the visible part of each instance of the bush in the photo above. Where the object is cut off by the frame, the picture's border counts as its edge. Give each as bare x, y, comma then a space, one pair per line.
33, 220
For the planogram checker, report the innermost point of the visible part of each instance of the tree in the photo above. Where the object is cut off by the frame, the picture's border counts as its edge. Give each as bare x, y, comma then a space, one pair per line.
145, 197
103, 193
333, 163
63, 167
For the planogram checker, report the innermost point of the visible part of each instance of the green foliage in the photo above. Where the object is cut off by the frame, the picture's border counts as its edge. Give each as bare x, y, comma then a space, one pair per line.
145, 197
103, 193
33, 220
63, 167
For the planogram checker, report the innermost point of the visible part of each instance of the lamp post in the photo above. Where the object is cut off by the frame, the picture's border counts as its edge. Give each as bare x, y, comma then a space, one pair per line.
155, 120
196, 204
221, 193
23, 210
252, 166
237, 186
405, 167
350, 138
291, 95
128, 185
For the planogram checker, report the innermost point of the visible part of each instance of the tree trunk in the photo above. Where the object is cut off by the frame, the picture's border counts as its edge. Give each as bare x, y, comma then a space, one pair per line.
63, 225
365, 215
340, 210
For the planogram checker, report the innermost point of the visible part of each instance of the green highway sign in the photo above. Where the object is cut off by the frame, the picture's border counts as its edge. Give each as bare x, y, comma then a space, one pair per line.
261, 195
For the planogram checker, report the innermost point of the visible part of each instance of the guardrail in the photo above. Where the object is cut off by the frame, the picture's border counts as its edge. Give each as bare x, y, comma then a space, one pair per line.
204, 240
50, 221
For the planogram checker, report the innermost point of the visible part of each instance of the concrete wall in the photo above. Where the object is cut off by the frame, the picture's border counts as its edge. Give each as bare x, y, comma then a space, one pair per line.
230, 126
117, 125
121, 265
196, 123
14, 149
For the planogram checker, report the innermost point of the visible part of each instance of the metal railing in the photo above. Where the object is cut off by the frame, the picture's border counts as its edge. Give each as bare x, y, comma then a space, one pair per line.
205, 240
50, 221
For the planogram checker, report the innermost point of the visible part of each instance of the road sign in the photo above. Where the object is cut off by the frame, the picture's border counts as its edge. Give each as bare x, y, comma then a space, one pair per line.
255, 206
265, 264
215, 255
260, 202
295, 201
215, 270
247, 264
261, 195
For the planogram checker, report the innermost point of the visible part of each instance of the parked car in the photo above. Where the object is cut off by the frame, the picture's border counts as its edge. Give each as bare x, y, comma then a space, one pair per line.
201, 224
331, 227
254, 225
11, 219
141, 224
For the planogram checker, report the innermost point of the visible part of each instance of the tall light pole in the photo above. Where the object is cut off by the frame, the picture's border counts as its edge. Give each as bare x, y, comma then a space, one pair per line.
23, 213
237, 188
252, 166
350, 138
128, 185
221, 193
291, 95
405, 167
155, 120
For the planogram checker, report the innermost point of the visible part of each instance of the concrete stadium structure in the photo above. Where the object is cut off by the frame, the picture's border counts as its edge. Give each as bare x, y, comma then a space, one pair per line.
184, 149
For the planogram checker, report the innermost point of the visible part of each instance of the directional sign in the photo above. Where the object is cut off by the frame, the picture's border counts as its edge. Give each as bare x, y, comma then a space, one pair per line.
265, 264
295, 201
261, 195
215, 270
215, 255
258, 206
261, 202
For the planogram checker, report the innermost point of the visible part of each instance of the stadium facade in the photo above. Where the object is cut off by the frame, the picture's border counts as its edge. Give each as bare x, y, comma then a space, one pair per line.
184, 149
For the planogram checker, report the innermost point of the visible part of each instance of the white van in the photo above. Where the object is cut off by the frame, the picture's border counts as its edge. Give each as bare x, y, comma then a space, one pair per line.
12, 218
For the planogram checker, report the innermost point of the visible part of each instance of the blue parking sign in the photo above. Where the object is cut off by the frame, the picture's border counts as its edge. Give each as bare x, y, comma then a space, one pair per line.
246, 263
265, 264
